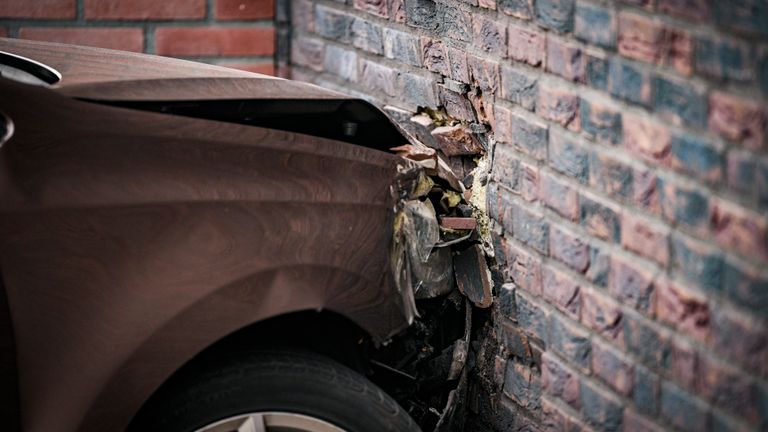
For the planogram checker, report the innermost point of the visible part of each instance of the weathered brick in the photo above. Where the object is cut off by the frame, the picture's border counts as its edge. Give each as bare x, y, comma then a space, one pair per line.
553, 417
309, 52
531, 317
695, 157
737, 119
684, 204
596, 70
761, 181
341, 62
559, 105
555, 14
724, 423
680, 102
526, 45
640, 38
739, 229
523, 386
397, 10
570, 341
457, 62
601, 408
645, 193
529, 181
678, 50
559, 196
503, 129
487, 4
741, 168
742, 16
610, 176
610, 366
303, 14
333, 24
568, 157
417, 90
738, 337
455, 23
602, 314
635, 422
695, 10
633, 284
727, 388
595, 24
646, 138
490, 36
519, 87
650, 345
422, 14
683, 309
697, 262
645, 238
457, 140
530, 228
599, 265
724, 58
456, 105
402, 46
745, 285
559, 380
522, 9
375, 7
562, 291
484, 74
646, 390
378, 78
524, 268
683, 410
565, 59
682, 362
516, 343
434, 56
506, 304
568, 248
600, 218
530, 136
629, 82
600, 122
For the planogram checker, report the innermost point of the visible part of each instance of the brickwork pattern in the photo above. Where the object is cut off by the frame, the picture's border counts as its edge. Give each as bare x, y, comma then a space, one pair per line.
629, 191
233, 33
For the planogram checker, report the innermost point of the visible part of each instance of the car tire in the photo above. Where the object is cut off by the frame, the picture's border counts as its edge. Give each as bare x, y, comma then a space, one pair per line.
279, 382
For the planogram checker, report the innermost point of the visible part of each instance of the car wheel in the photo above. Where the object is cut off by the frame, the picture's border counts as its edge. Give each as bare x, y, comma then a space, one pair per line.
272, 391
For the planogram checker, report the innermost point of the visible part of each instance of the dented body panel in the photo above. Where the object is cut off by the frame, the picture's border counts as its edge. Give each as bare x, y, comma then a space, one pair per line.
132, 240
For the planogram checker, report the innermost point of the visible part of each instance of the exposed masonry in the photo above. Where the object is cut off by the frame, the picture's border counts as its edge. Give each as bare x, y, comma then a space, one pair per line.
629, 193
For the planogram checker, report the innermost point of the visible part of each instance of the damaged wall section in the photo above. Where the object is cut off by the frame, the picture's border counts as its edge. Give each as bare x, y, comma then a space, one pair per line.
627, 194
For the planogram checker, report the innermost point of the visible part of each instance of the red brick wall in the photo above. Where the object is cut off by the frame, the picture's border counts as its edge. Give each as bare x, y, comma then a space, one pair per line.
629, 191
235, 33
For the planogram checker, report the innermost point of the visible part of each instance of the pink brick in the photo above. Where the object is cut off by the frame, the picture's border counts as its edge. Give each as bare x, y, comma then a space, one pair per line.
739, 229
645, 238
602, 314
375, 7
562, 291
568, 248
434, 56
526, 45
682, 362
694, 10
678, 50
529, 181
559, 379
632, 284
609, 365
457, 61
647, 138
487, 4
490, 36
565, 59
503, 127
634, 422
559, 196
640, 38
737, 119
645, 193
397, 10
683, 309
524, 268
559, 105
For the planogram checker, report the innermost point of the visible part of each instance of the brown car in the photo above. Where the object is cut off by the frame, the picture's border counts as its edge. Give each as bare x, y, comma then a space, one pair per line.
186, 247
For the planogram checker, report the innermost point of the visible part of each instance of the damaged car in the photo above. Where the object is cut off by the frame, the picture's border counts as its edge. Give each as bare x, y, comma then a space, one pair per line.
189, 247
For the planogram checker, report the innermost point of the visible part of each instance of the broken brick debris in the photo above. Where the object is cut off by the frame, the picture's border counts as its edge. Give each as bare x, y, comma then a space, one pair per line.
458, 223
473, 276
457, 141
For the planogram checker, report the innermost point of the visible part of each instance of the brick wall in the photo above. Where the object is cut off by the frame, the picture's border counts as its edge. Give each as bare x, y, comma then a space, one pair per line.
235, 33
629, 192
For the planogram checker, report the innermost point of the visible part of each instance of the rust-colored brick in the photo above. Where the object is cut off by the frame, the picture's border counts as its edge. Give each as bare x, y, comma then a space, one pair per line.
144, 9
127, 39
215, 41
